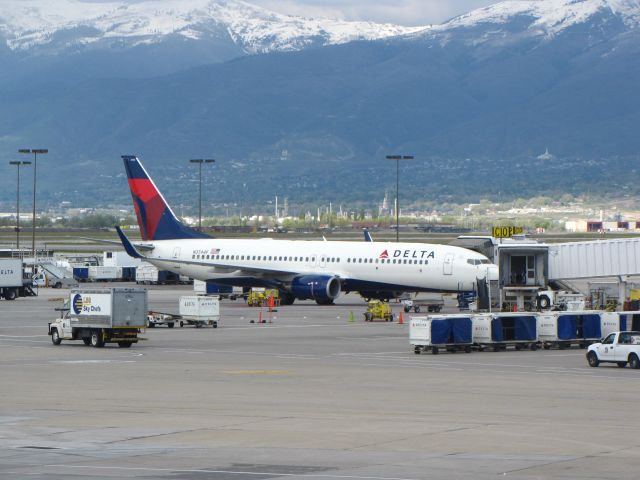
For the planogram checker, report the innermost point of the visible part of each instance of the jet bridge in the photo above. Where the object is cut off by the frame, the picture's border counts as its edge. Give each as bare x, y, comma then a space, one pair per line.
618, 258
527, 266
522, 265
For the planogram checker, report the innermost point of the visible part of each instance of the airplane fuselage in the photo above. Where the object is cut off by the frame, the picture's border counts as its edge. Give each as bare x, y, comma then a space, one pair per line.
398, 266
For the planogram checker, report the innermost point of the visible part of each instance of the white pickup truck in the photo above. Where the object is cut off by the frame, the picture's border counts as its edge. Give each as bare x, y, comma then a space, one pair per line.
617, 347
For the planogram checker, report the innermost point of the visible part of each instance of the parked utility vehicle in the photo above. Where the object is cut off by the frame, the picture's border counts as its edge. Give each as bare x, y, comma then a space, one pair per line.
617, 347
101, 315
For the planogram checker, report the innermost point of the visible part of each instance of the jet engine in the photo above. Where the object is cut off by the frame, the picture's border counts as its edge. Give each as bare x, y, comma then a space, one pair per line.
322, 289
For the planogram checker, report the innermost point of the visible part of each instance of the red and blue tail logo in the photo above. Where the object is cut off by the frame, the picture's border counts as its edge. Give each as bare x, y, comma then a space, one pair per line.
155, 218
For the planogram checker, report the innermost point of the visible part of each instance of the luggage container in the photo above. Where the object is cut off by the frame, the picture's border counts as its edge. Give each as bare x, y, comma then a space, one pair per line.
147, 274
199, 310
101, 273
499, 330
81, 273
451, 332
563, 329
619, 321
201, 287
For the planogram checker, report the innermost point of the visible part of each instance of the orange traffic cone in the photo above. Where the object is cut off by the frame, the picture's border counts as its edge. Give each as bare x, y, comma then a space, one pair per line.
400, 319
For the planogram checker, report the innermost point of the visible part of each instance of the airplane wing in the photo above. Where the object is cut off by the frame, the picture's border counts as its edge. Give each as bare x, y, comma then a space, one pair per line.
226, 268
141, 246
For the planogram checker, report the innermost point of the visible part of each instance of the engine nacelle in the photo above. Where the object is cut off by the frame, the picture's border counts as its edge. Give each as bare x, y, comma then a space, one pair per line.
316, 287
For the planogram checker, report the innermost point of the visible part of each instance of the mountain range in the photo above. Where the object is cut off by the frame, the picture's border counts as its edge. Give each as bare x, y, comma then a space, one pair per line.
308, 108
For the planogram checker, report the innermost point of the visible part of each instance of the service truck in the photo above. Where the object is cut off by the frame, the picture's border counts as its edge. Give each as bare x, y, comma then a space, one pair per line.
617, 347
102, 315
12, 281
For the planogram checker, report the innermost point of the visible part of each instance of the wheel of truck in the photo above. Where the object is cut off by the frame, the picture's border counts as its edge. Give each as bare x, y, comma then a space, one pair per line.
434, 350
407, 309
10, 294
124, 344
86, 340
170, 325
367, 317
417, 350
543, 302
546, 346
621, 364
518, 347
533, 347
181, 324
152, 325
215, 325
592, 358
633, 361
55, 337
467, 349
416, 309
96, 339
58, 285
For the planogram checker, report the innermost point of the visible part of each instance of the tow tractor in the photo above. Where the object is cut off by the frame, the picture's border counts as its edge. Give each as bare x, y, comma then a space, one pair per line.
378, 310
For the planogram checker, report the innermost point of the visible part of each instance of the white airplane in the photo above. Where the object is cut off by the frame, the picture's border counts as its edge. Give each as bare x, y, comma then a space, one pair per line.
300, 269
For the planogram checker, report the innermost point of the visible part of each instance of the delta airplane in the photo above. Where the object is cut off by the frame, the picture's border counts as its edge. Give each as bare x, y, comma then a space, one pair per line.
300, 269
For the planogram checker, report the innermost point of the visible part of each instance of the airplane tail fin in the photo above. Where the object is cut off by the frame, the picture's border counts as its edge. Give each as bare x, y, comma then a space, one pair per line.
155, 218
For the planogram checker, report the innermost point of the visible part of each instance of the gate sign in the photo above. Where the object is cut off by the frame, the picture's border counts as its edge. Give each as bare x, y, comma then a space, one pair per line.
506, 232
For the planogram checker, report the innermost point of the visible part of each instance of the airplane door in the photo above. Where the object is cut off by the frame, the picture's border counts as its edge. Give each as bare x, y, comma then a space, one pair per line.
176, 253
447, 266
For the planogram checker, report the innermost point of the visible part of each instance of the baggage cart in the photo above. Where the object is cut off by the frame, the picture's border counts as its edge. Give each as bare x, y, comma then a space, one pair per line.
500, 330
434, 332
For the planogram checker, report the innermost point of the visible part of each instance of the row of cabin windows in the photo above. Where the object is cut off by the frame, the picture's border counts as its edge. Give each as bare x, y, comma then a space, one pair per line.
306, 259
388, 260
261, 258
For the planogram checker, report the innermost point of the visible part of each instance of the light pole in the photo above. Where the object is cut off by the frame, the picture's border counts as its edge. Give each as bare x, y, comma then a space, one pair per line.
18, 164
397, 158
35, 152
200, 161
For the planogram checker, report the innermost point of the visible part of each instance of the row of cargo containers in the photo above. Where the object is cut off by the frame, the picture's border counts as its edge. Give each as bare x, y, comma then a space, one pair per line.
104, 274
521, 330
146, 275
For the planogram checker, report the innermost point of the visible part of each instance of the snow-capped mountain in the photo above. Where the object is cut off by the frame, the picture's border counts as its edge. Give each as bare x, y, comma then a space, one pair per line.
476, 99
545, 17
55, 26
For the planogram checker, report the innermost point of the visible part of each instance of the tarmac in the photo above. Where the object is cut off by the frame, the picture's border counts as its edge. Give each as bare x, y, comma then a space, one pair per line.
310, 395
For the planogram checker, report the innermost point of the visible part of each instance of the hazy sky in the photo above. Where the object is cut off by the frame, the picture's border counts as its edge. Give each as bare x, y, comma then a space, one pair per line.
404, 12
